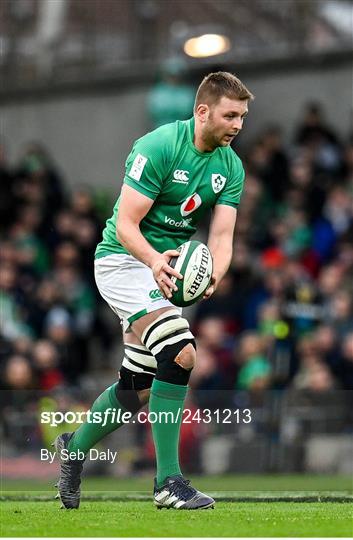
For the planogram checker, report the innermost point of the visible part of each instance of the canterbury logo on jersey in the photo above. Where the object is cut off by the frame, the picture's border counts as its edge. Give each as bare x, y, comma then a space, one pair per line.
191, 204
181, 176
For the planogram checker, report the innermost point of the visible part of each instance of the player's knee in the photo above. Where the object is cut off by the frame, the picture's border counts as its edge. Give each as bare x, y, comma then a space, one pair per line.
174, 366
172, 344
144, 395
187, 357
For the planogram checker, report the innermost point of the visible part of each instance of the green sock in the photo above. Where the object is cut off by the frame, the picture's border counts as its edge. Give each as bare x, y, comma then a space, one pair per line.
166, 397
89, 433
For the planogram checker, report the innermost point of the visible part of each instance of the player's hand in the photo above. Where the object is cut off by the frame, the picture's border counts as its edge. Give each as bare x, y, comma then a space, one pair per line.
162, 272
211, 288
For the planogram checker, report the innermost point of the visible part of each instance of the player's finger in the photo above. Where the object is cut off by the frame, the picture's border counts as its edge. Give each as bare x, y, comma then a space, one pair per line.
172, 253
171, 271
161, 287
165, 290
167, 294
169, 283
208, 293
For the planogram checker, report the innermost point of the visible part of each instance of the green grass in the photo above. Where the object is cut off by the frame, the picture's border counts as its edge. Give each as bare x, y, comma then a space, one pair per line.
239, 483
124, 519
123, 507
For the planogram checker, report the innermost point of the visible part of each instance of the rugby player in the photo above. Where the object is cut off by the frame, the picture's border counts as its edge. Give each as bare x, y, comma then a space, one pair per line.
174, 175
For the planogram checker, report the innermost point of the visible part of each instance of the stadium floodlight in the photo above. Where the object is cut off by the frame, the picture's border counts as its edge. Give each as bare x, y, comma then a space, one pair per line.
206, 45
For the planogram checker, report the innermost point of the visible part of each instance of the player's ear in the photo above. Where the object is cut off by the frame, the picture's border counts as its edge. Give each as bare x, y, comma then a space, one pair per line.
202, 112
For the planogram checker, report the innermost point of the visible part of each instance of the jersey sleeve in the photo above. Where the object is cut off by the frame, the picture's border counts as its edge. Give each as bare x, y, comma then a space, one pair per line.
233, 189
145, 167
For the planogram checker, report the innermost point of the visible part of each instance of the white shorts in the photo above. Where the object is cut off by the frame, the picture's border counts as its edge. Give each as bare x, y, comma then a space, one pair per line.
128, 286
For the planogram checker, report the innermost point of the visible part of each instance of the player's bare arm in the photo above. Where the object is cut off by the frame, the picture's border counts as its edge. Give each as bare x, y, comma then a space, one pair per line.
133, 208
220, 243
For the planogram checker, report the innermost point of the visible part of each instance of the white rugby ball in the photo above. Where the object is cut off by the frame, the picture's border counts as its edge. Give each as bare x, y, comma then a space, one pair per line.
195, 264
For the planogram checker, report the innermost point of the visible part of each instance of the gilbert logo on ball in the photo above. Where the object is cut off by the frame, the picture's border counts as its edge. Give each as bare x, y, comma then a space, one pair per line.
195, 264
191, 204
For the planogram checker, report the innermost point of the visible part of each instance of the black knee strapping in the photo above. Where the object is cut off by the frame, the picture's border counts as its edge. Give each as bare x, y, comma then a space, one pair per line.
128, 386
167, 369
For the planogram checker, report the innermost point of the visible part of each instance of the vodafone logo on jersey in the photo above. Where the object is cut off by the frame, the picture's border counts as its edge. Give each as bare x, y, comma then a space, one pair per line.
190, 205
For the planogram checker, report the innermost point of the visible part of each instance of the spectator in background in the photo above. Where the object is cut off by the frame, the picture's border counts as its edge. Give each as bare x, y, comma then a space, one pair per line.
340, 311
207, 382
314, 376
59, 330
327, 346
40, 182
44, 298
7, 192
347, 171
268, 316
338, 209
254, 369
212, 333
45, 363
313, 128
82, 206
85, 237
12, 323
223, 305
80, 302
62, 228
269, 161
271, 287
18, 373
33, 256
346, 364
171, 98
256, 201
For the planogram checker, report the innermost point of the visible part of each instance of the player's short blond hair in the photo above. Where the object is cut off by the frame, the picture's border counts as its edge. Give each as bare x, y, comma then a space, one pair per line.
216, 85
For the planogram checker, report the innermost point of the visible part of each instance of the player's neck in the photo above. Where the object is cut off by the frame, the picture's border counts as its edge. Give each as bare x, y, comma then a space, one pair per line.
201, 145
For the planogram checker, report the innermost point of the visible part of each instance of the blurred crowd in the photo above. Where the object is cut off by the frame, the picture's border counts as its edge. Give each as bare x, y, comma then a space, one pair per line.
282, 318
283, 315
48, 297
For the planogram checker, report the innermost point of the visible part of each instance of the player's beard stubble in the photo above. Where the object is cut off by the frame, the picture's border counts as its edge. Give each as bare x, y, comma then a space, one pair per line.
214, 136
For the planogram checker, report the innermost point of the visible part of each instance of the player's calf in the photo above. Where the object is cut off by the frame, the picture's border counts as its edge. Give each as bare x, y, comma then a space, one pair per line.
129, 394
172, 344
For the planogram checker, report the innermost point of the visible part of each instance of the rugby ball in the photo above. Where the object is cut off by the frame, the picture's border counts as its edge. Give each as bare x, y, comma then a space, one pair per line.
195, 264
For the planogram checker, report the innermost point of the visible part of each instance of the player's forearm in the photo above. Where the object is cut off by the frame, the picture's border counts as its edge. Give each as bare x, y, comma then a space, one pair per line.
221, 250
129, 235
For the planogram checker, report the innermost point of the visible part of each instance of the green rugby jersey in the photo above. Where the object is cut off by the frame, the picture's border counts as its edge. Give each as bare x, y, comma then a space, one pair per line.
183, 182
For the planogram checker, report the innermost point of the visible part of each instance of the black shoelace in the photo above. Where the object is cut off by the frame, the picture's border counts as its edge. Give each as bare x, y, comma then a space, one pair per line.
181, 488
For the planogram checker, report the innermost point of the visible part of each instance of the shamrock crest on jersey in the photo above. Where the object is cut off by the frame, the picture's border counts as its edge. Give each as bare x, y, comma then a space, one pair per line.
218, 182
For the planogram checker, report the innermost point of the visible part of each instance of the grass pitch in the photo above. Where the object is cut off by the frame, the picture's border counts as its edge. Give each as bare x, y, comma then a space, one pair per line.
125, 519
260, 506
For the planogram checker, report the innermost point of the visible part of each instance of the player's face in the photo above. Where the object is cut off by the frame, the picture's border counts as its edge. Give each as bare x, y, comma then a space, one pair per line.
224, 121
